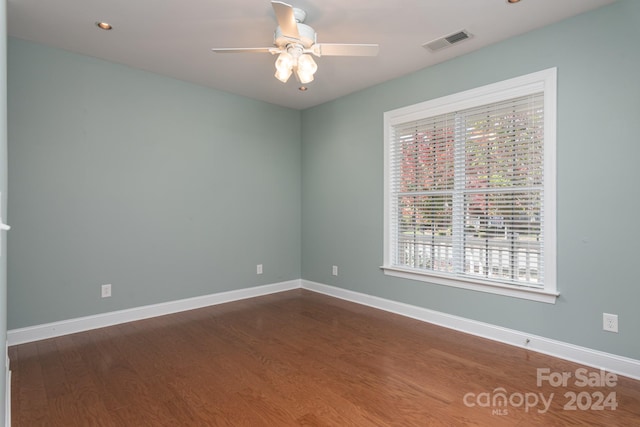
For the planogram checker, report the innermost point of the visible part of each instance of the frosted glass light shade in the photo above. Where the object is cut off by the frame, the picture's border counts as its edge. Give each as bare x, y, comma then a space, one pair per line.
284, 67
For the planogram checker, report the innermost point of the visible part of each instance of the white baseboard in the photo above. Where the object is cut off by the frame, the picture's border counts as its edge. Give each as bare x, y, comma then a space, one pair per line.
71, 326
610, 362
597, 359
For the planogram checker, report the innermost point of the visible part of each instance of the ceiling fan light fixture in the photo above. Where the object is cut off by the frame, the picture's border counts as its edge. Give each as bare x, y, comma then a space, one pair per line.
284, 66
306, 68
304, 78
283, 75
293, 41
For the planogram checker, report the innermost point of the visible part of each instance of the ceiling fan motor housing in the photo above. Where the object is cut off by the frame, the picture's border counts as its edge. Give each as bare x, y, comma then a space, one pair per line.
307, 37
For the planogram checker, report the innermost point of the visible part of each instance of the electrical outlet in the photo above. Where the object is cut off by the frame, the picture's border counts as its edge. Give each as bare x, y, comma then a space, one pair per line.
334, 270
106, 291
259, 269
610, 322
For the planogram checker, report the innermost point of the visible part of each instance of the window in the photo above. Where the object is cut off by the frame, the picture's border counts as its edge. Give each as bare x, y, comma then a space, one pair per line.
470, 189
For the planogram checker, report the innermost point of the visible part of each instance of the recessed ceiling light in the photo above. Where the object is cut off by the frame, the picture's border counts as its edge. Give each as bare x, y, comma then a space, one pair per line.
104, 25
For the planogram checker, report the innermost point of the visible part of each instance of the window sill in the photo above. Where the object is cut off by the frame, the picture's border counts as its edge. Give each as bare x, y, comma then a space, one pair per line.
539, 295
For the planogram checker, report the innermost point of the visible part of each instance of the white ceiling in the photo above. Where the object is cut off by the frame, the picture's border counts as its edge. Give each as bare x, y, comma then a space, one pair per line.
174, 37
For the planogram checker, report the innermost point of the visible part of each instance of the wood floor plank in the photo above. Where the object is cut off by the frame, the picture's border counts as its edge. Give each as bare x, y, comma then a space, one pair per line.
85, 396
31, 397
296, 358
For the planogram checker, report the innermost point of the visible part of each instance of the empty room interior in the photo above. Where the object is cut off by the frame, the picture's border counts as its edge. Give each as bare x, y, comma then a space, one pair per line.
421, 219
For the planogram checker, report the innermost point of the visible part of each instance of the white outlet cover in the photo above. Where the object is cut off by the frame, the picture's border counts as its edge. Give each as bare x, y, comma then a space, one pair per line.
610, 322
106, 291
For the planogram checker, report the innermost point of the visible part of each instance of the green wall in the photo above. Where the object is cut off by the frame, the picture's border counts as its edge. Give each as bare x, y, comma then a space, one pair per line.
165, 189
4, 405
169, 190
598, 60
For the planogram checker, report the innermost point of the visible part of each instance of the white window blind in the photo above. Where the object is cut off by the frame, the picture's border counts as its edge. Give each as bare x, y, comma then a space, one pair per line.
466, 191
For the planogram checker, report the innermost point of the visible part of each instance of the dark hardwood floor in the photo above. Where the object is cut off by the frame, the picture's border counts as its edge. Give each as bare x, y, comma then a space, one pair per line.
301, 358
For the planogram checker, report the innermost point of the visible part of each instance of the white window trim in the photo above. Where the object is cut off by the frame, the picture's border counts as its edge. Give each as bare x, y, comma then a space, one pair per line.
520, 86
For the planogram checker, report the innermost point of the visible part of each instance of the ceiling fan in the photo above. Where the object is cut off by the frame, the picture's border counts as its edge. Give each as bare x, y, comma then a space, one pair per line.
295, 41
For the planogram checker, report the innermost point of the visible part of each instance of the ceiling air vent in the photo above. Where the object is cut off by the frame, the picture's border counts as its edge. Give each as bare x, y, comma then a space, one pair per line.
447, 41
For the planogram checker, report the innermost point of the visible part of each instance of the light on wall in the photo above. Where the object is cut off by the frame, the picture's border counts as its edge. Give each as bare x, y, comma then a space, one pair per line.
294, 60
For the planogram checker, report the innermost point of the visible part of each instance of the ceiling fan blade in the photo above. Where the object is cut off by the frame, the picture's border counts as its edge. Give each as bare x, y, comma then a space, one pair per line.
342, 49
272, 50
286, 19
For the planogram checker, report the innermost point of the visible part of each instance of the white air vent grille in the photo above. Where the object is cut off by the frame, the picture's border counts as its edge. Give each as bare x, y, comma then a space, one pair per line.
447, 41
